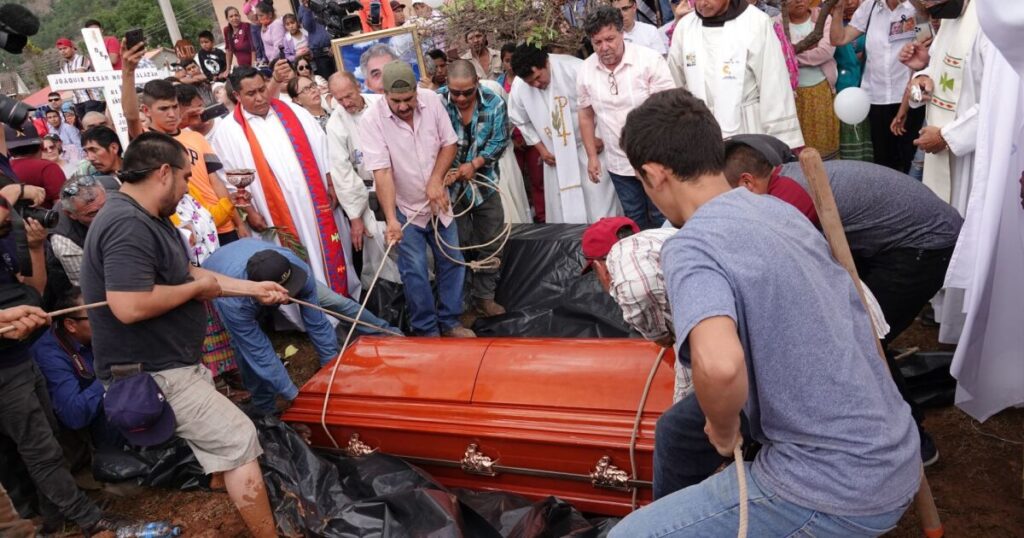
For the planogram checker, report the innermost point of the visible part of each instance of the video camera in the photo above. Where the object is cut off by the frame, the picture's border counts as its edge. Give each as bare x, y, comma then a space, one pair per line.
17, 23
337, 17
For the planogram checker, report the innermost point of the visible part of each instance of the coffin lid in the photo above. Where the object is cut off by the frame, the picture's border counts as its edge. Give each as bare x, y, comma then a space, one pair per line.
607, 374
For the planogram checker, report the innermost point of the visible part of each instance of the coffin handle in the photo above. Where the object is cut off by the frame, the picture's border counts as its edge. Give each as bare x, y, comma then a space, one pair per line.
357, 447
474, 461
607, 476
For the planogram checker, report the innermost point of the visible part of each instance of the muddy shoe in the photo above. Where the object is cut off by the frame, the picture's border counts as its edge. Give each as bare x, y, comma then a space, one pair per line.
488, 308
459, 332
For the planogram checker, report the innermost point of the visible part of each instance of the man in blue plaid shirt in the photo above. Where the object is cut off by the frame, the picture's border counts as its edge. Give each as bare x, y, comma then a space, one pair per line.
480, 121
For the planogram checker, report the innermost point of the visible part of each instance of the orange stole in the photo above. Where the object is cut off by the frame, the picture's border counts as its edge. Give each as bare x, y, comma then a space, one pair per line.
276, 203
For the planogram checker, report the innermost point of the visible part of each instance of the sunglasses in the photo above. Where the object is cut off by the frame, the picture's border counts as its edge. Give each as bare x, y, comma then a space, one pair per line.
54, 99
302, 68
72, 189
462, 93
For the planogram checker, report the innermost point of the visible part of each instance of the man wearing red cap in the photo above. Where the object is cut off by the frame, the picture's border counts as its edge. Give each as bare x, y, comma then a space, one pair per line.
73, 62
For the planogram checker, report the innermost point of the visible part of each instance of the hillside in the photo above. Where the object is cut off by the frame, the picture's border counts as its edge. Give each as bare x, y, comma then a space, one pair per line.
64, 18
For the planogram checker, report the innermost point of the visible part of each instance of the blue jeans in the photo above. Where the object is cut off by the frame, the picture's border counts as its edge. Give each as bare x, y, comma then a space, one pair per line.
424, 318
711, 509
335, 302
683, 455
635, 202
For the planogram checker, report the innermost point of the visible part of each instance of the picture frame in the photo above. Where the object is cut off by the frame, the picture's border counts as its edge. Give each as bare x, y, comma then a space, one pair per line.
404, 41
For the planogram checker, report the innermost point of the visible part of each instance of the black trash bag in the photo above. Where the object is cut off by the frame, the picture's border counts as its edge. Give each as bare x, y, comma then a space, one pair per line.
171, 465
540, 287
333, 496
543, 291
928, 380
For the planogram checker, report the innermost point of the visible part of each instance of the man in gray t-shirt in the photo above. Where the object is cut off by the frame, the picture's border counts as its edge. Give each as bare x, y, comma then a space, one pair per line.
773, 327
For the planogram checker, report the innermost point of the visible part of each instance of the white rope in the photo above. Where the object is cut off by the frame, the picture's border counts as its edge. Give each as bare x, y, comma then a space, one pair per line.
741, 478
636, 421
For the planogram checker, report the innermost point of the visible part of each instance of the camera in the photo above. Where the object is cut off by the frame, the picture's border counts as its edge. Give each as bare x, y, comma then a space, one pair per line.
337, 17
47, 217
13, 112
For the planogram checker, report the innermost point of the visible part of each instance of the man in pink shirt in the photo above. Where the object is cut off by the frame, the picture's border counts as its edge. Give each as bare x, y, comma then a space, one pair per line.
408, 143
617, 78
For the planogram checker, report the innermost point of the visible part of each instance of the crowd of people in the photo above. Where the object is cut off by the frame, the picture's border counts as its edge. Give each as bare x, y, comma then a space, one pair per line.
260, 173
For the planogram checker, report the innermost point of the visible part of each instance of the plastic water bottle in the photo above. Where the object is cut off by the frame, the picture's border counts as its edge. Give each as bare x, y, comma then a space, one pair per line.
156, 529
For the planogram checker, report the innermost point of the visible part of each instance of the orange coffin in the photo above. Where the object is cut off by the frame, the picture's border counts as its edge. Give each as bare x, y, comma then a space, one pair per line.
536, 417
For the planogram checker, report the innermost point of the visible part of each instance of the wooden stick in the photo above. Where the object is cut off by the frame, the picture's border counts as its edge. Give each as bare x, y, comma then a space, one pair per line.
227, 292
56, 313
828, 216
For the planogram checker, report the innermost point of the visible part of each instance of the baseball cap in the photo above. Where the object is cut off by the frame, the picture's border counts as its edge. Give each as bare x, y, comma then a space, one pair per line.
398, 77
65, 42
268, 265
601, 235
137, 407
774, 150
26, 135
395, 4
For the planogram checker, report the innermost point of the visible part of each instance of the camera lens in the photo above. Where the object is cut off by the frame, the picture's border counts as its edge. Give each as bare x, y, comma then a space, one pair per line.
47, 217
13, 112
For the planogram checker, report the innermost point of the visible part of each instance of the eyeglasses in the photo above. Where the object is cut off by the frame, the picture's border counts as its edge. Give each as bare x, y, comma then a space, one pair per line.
462, 93
614, 85
310, 89
72, 189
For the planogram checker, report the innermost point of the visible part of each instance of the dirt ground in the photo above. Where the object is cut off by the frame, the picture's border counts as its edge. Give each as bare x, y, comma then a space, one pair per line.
977, 483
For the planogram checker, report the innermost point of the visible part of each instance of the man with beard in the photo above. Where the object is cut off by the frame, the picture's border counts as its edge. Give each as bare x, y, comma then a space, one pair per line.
148, 340
486, 60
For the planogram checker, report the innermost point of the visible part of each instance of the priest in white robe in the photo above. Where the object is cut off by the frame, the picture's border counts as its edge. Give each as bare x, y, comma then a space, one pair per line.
286, 147
510, 177
729, 56
989, 360
542, 104
951, 85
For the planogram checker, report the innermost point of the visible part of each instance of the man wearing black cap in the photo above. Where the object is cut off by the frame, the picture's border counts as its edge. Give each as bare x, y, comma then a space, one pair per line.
148, 340
252, 259
26, 160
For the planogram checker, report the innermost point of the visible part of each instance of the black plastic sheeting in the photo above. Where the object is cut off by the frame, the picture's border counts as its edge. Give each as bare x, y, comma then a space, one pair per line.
540, 287
928, 379
333, 496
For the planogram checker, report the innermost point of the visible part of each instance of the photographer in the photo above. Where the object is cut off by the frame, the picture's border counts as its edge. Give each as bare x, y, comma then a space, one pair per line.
26, 418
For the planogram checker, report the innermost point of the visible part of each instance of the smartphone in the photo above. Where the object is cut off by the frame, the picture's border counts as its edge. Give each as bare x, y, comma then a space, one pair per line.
374, 16
133, 37
214, 111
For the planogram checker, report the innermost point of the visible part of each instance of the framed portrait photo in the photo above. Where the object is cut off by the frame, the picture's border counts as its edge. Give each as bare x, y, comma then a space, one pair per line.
352, 54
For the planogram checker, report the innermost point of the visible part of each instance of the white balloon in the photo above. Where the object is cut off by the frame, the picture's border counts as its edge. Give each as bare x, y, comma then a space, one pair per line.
852, 105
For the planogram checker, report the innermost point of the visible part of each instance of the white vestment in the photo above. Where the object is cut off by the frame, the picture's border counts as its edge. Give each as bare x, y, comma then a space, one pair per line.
510, 178
569, 195
350, 180
948, 172
989, 258
738, 70
234, 151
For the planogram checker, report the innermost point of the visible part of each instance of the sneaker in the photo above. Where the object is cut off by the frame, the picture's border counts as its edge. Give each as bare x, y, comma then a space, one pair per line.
488, 308
107, 522
459, 332
929, 452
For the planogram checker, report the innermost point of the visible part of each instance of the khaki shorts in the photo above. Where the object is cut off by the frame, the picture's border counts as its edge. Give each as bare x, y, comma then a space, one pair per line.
220, 434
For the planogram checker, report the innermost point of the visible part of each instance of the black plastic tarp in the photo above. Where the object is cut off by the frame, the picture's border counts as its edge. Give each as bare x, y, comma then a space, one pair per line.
540, 287
327, 495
